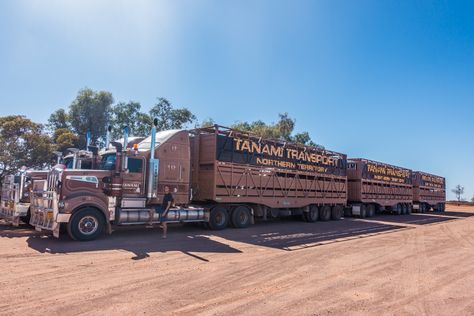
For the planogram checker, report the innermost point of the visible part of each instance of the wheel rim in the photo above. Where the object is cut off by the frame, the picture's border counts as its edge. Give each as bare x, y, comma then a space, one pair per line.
88, 225
219, 218
243, 217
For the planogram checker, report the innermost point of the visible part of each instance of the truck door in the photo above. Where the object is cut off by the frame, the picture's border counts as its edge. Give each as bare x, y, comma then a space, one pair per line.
134, 177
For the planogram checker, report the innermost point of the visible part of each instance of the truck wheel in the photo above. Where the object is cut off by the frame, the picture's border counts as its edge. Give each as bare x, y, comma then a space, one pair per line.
363, 211
325, 213
86, 224
404, 208
219, 218
428, 207
312, 215
422, 208
409, 209
241, 217
443, 207
336, 212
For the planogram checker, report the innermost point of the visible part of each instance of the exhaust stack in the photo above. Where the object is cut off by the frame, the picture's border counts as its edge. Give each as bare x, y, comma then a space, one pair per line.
154, 163
125, 143
88, 139
107, 137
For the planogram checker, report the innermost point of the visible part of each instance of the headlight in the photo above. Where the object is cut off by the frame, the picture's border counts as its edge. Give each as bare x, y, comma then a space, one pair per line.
60, 204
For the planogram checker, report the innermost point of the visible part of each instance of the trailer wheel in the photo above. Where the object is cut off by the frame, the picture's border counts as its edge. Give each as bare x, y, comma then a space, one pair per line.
370, 210
312, 215
86, 224
404, 209
325, 213
409, 209
219, 218
443, 207
398, 209
241, 217
337, 212
363, 211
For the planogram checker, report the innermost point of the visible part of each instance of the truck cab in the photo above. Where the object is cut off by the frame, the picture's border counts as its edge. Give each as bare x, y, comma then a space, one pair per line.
125, 189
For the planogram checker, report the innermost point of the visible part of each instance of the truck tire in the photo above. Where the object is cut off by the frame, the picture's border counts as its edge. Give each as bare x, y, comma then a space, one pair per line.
363, 211
337, 212
86, 224
218, 218
370, 210
398, 209
443, 207
325, 213
404, 209
312, 215
409, 209
241, 217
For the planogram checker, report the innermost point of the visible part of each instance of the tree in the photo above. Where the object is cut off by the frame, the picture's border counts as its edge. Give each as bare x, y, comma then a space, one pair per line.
283, 130
90, 111
458, 191
169, 118
63, 139
209, 122
58, 119
128, 114
22, 143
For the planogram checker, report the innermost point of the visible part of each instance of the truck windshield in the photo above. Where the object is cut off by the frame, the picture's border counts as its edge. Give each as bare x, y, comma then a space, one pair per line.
68, 162
108, 162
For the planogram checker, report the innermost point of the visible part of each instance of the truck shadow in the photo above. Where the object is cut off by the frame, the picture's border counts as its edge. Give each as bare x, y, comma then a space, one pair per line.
9, 231
294, 234
415, 218
140, 242
285, 234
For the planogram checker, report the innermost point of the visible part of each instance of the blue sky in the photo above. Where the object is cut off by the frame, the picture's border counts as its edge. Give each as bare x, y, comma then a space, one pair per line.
387, 80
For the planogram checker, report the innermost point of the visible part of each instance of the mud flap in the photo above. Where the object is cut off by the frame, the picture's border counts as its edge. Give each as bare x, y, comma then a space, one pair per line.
56, 227
16, 221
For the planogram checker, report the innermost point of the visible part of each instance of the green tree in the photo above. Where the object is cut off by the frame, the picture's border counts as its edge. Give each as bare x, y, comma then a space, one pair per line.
90, 111
128, 114
282, 129
58, 119
170, 118
22, 143
63, 139
209, 122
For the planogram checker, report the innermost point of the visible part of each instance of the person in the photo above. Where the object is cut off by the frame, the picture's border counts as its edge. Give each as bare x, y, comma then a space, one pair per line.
165, 206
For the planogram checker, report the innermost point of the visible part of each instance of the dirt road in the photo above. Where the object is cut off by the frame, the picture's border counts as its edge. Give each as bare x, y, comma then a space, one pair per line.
421, 264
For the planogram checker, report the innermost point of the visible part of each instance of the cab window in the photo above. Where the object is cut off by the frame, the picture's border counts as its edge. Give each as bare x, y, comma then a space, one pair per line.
68, 163
135, 165
108, 162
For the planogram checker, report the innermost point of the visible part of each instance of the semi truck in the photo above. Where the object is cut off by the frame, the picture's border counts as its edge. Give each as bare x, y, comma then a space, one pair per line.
429, 192
218, 176
15, 198
375, 187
